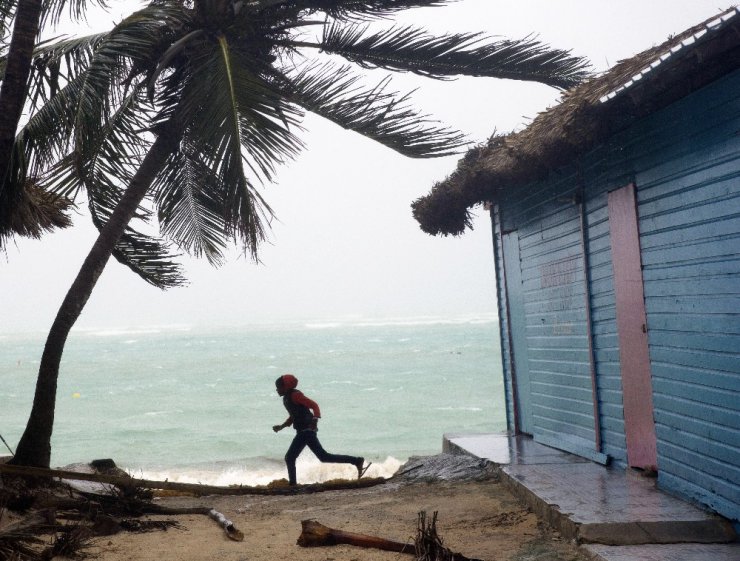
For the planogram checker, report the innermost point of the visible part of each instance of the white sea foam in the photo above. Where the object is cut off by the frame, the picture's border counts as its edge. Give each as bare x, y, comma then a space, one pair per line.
426, 320
309, 470
458, 409
402, 321
122, 332
134, 330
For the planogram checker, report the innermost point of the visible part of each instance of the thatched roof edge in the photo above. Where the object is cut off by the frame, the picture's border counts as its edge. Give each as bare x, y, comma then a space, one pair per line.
586, 115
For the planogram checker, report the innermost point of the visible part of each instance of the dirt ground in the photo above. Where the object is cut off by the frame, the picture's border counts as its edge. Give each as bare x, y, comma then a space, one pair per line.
479, 519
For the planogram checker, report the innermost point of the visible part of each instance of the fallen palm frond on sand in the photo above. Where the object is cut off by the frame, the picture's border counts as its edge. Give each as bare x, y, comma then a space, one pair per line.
19, 541
428, 545
72, 518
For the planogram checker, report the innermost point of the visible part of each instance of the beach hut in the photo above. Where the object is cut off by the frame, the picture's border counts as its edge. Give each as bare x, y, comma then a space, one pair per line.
616, 227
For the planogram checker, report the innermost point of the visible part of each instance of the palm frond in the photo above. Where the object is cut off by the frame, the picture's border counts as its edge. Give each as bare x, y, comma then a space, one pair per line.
7, 9
58, 61
113, 154
347, 10
119, 154
146, 256
384, 116
470, 54
47, 134
350, 10
26, 207
77, 9
239, 125
138, 37
190, 208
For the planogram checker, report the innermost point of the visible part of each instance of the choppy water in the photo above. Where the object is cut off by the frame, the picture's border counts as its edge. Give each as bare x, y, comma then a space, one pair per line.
198, 405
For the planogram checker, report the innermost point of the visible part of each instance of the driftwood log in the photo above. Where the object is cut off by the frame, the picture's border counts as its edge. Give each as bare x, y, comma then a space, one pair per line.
428, 546
315, 534
231, 532
124, 482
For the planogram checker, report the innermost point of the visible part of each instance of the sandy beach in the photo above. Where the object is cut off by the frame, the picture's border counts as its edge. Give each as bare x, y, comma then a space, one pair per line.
478, 518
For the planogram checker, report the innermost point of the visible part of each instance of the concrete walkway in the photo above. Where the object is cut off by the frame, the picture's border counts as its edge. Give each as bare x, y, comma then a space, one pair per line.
616, 514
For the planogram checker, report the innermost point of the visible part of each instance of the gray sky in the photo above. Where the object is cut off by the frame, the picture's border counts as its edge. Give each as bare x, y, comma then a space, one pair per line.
345, 245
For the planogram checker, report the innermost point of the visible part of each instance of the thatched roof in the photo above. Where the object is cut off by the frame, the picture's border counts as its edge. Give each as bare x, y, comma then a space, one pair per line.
586, 116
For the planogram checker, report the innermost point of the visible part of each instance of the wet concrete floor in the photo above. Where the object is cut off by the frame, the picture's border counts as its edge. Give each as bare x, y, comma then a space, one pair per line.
615, 514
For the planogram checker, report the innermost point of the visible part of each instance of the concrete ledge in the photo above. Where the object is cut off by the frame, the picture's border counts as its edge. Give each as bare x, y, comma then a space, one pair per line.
638, 533
574, 525
590, 503
550, 514
673, 552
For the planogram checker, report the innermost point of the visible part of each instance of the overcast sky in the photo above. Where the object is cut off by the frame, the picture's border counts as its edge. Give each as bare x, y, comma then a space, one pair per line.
345, 244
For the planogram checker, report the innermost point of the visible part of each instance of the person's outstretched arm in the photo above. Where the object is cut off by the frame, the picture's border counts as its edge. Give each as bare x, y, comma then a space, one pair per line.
287, 423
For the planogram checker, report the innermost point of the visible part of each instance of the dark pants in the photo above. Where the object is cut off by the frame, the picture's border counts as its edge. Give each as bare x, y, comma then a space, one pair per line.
309, 438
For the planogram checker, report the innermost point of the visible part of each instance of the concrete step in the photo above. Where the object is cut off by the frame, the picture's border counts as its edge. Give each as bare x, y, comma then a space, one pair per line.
670, 552
589, 502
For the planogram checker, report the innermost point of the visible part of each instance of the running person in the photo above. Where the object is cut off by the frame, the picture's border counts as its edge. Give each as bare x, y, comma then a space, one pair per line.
304, 415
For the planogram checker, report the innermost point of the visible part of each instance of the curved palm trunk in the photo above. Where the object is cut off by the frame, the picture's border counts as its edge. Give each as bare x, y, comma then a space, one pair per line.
34, 448
13, 90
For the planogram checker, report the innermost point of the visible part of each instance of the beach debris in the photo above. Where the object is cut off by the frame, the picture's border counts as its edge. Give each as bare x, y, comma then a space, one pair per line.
231, 532
128, 482
315, 534
71, 542
142, 526
446, 467
20, 540
31, 507
428, 545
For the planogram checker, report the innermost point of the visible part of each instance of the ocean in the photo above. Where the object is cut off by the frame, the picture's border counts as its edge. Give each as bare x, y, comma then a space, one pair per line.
197, 405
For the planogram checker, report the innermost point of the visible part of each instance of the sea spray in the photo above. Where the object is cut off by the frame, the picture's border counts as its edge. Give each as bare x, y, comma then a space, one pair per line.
310, 470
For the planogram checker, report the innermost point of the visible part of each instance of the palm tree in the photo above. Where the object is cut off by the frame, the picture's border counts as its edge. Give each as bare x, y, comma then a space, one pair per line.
25, 208
191, 105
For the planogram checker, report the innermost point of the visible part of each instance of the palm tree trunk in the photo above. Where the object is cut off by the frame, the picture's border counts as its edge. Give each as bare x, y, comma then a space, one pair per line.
34, 448
13, 91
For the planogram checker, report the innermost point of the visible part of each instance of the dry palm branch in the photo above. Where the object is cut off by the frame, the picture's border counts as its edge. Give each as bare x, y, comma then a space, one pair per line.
129, 504
428, 545
94, 514
21, 540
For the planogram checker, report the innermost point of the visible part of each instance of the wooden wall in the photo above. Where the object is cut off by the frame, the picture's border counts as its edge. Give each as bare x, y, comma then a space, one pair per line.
685, 163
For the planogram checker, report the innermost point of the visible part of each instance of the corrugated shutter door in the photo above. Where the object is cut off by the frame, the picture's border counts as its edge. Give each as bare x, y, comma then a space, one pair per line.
558, 351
